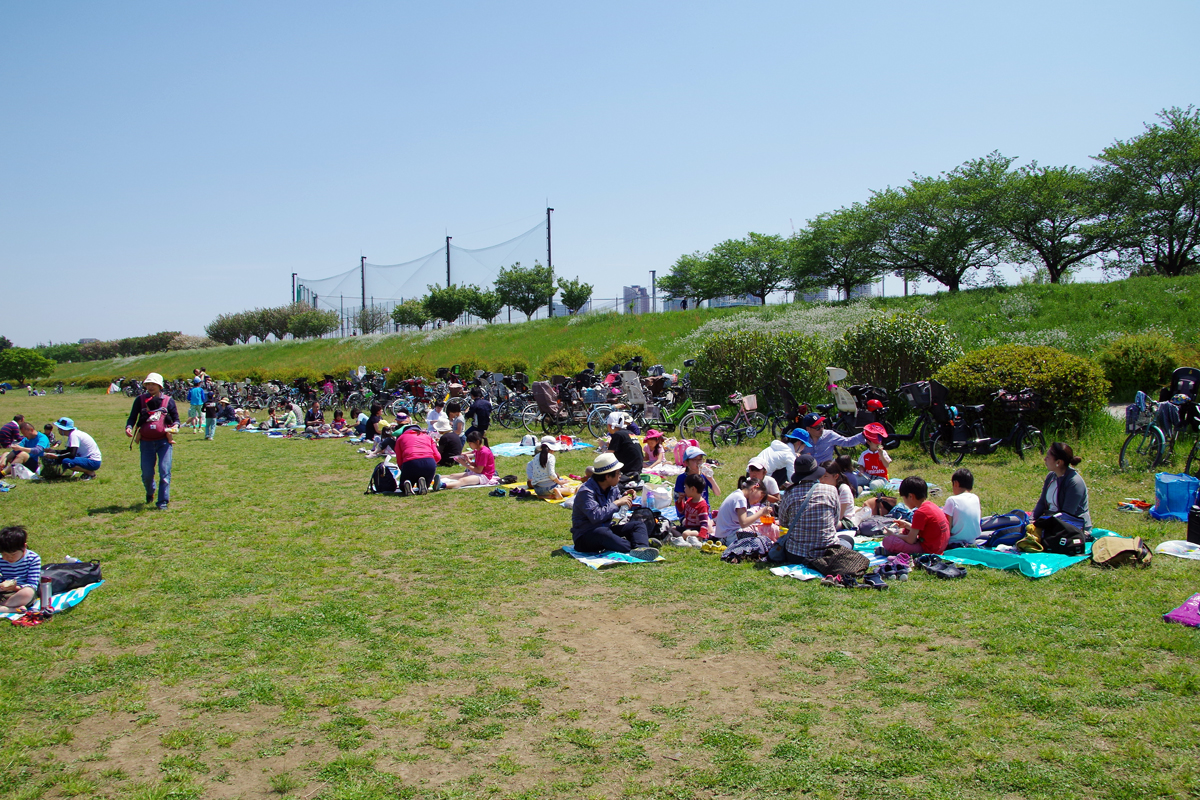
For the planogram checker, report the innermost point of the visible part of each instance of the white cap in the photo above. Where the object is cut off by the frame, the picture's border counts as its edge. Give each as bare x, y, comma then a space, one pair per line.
154, 378
617, 419
693, 452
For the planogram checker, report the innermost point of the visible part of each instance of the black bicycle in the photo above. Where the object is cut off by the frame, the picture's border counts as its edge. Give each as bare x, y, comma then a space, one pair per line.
964, 432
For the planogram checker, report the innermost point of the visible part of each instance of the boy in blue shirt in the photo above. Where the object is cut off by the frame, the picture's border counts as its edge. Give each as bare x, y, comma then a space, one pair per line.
27, 451
195, 405
20, 571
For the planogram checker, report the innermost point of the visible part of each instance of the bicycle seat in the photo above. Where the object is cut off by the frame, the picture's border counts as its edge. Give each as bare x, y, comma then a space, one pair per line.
823, 406
712, 408
974, 409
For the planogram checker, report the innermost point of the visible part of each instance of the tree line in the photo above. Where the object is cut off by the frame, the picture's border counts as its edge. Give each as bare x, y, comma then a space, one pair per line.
1135, 211
300, 320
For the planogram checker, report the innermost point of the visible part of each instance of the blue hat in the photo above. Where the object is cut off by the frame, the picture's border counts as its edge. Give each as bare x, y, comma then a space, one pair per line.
65, 423
801, 434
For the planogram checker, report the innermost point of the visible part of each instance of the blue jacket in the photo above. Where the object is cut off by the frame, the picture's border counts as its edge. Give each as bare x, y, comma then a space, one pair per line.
594, 508
196, 395
822, 449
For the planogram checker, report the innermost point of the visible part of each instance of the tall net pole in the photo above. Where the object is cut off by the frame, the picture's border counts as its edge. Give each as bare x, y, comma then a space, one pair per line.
549, 262
448, 238
363, 267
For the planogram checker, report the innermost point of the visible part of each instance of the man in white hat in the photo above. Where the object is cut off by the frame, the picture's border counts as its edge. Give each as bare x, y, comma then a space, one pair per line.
596, 503
153, 420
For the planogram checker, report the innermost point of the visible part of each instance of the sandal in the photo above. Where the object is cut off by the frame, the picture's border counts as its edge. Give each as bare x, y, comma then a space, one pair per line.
873, 580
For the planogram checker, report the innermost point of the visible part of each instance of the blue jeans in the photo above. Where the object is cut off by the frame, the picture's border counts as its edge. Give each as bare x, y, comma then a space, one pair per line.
160, 449
81, 463
210, 427
618, 538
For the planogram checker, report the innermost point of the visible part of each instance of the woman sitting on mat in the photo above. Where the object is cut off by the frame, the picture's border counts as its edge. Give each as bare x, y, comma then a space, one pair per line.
1063, 489
541, 476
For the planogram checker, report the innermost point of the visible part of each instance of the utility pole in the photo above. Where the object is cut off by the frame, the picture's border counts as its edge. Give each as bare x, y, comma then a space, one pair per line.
653, 291
549, 262
448, 238
293, 287
363, 267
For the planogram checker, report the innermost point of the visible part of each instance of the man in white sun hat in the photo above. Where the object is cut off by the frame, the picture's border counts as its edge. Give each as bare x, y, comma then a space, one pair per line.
154, 420
596, 503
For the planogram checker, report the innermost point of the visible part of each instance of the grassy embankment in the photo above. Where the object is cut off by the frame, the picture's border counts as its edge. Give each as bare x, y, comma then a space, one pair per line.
1078, 318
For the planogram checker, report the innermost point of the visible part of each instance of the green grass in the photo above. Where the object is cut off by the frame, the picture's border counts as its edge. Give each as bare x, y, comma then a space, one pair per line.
278, 632
1079, 318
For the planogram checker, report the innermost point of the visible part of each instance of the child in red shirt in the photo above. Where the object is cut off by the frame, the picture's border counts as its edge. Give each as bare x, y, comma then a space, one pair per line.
929, 530
874, 460
694, 518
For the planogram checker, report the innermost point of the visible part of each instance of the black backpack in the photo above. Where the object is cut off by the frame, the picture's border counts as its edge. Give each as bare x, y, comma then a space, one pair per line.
1062, 533
385, 479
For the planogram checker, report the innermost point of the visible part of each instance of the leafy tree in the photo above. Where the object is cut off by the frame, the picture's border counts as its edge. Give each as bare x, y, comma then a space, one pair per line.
575, 293
1152, 185
942, 227
63, 351
5, 343
691, 276
258, 323
1052, 217
313, 323
372, 319
525, 288
837, 249
756, 265
411, 312
278, 320
485, 304
21, 364
226, 329
447, 303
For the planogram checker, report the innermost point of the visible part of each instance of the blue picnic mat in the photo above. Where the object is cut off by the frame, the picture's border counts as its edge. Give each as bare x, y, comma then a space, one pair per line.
513, 449
61, 602
797, 571
1033, 565
605, 560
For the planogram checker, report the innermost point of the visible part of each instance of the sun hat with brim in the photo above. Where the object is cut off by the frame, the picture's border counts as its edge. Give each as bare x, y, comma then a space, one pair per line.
692, 452
812, 419
799, 434
154, 378
806, 468
549, 441
874, 432
65, 424
224, 399
605, 463
652, 434
442, 425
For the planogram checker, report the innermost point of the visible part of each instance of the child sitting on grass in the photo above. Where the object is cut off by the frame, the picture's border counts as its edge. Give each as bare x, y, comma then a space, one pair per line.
694, 514
480, 464
20, 570
929, 530
962, 509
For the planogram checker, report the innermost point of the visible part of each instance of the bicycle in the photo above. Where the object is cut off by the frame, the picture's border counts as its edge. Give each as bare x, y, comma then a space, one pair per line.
1145, 446
747, 423
949, 447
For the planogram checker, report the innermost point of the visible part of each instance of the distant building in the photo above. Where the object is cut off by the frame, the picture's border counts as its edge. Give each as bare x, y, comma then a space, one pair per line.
88, 341
816, 297
635, 300
739, 300
866, 290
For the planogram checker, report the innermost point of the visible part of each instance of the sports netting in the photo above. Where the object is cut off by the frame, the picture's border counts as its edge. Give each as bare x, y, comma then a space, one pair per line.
387, 284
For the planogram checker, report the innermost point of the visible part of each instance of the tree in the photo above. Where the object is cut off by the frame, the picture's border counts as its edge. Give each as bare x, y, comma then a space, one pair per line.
258, 323
837, 249
1052, 216
5, 343
485, 304
313, 323
226, 329
756, 265
575, 293
525, 288
411, 312
447, 303
1152, 186
372, 319
943, 226
690, 276
21, 364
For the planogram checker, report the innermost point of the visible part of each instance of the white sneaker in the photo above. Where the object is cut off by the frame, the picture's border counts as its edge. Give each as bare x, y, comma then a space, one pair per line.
406, 488
422, 487
363, 450
694, 541
678, 541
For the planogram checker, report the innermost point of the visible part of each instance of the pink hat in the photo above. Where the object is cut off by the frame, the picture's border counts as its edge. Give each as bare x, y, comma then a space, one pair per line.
875, 432
652, 434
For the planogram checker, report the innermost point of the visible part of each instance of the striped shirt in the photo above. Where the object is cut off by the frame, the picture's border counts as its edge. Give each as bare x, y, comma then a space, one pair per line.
26, 572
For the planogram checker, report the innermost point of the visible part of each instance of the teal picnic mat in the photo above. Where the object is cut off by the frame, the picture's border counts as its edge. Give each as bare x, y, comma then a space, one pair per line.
1033, 565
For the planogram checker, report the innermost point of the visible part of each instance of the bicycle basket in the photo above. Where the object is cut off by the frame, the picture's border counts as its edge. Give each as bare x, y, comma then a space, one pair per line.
1025, 400
750, 402
917, 395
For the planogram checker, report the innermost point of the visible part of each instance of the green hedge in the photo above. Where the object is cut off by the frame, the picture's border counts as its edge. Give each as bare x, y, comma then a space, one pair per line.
892, 350
1072, 387
1139, 361
621, 353
566, 361
749, 361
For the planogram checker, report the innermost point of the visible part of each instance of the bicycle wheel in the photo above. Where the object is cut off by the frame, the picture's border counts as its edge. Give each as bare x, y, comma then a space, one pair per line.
399, 405
597, 421
727, 434
695, 425
552, 426
943, 452
1031, 441
531, 418
757, 422
1193, 461
1142, 449
503, 415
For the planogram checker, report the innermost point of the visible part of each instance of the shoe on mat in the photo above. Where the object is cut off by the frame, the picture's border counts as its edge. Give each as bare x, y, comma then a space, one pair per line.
694, 541
850, 582
406, 488
644, 553
422, 487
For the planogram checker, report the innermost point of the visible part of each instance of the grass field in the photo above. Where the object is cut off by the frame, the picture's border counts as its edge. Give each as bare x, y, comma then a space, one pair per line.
278, 633
1079, 318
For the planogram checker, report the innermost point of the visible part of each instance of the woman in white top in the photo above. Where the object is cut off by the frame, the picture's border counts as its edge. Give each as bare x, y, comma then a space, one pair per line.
540, 474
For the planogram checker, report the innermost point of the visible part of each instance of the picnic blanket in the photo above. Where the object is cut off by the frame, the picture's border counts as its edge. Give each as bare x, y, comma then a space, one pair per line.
797, 571
61, 602
513, 449
521, 485
1032, 565
604, 560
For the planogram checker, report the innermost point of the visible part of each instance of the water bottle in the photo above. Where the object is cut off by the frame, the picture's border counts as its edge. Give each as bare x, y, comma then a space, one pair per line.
70, 560
1193, 525
44, 593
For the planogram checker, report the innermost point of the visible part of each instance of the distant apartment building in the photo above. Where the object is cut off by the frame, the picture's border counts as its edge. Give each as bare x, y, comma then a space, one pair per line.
636, 300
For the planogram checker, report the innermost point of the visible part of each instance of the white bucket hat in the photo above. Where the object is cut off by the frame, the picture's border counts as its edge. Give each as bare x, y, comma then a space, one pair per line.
154, 378
550, 442
605, 463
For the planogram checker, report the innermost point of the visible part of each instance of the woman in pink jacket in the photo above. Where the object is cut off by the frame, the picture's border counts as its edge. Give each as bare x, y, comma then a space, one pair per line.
417, 455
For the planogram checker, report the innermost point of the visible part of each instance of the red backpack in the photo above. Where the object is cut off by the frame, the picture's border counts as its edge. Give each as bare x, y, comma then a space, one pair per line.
155, 427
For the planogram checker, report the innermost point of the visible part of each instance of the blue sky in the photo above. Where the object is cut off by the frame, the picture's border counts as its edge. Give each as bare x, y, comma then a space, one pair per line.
166, 162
